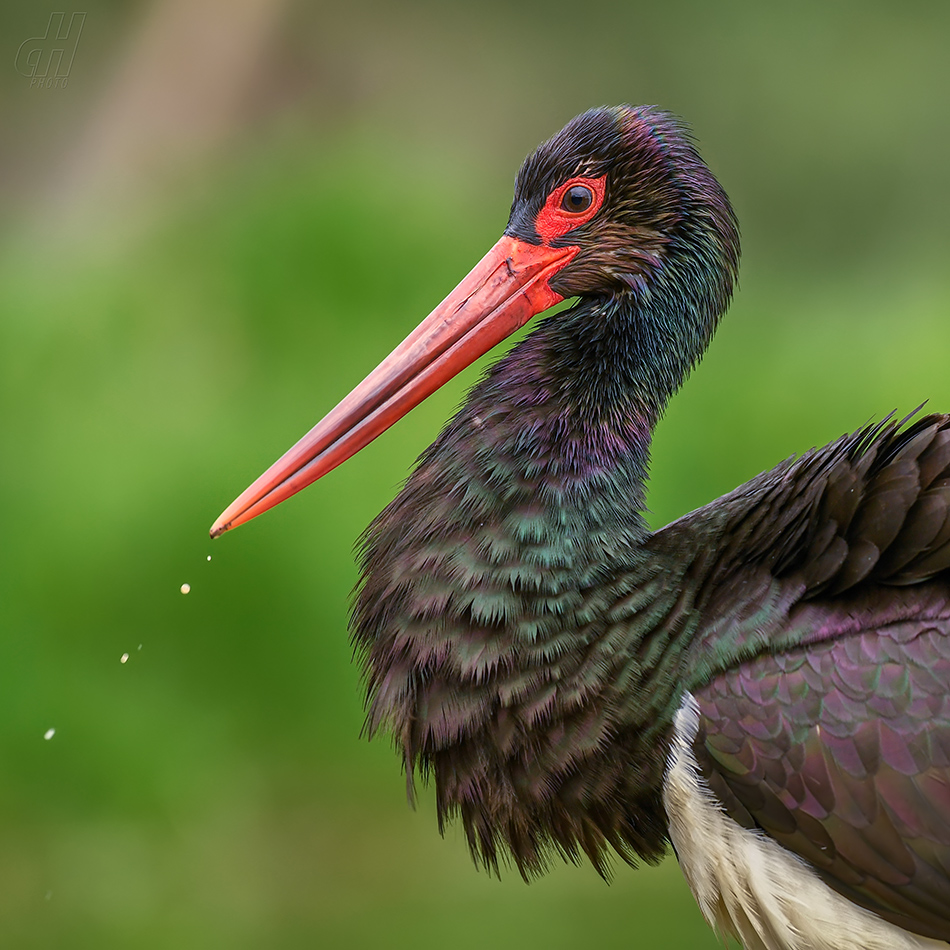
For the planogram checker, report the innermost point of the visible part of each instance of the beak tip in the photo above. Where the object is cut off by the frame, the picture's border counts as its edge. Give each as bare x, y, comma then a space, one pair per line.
218, 528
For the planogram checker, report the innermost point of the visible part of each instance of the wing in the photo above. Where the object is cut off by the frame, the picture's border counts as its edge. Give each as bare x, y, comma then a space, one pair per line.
840, 750
821, 663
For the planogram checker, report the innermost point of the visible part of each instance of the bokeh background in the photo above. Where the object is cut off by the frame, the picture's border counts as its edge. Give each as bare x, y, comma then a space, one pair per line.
225, 216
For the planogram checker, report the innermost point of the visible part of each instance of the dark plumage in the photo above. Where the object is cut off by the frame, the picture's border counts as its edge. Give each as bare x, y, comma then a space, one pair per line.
529, 643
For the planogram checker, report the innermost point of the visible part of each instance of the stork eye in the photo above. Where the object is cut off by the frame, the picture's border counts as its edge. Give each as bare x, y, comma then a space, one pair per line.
570, 205
577, 198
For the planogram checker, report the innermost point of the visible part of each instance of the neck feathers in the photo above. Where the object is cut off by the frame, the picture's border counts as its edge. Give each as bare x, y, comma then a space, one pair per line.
483, 613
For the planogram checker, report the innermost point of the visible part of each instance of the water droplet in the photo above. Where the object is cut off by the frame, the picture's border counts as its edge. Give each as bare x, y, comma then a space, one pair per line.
49, 733
124, 658
185, 588
209, 557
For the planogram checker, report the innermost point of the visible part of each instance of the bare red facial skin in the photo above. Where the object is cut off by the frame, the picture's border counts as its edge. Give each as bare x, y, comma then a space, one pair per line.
554, 221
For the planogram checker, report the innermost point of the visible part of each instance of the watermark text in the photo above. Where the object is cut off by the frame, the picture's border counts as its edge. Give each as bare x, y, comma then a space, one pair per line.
46, 60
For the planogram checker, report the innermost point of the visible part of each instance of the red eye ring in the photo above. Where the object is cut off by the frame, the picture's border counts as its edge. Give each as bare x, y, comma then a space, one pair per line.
557, 217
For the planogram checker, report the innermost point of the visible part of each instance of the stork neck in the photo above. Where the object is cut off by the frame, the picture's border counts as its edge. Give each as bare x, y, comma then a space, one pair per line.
564, 423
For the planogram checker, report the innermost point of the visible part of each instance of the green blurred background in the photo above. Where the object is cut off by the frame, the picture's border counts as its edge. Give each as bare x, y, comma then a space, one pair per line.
228, 214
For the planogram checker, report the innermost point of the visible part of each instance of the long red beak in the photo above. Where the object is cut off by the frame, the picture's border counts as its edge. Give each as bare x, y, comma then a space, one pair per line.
507, 287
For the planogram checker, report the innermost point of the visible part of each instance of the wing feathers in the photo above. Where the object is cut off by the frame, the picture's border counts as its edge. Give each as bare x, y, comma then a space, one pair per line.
849, 765
873, 507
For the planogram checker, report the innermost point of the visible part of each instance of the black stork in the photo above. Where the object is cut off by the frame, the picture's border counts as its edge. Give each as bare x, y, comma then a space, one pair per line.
764, 683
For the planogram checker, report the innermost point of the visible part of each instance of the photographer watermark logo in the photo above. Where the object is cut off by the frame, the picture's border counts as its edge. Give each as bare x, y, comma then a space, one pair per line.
46, 60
